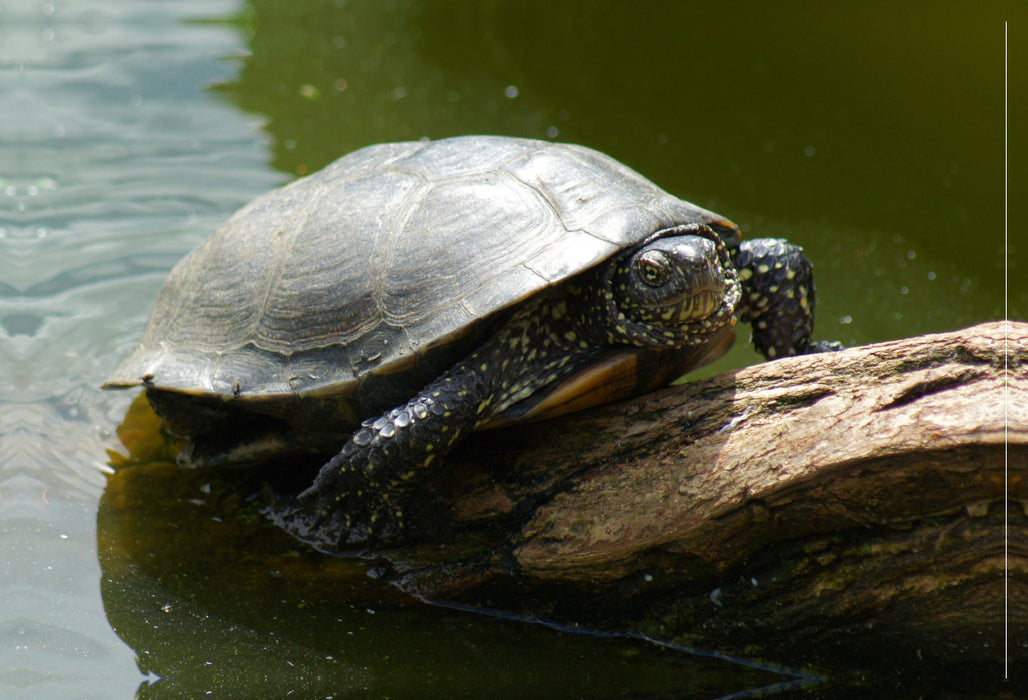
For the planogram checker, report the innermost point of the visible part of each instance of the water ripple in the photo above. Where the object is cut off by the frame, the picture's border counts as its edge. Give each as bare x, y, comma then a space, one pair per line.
114, 162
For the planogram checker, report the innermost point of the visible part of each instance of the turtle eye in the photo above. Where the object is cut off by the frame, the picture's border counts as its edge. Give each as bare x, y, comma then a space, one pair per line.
653, 268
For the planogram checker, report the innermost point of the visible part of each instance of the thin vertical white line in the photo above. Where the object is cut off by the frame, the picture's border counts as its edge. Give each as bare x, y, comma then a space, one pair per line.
1006, 348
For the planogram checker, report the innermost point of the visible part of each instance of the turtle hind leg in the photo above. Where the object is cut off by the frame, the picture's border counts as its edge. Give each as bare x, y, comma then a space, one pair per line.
778, 298
370, 483
364, 490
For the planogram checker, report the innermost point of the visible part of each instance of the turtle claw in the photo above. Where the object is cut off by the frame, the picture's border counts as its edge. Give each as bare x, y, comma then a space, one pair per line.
320, 516
339, 512
823, 346
327, 528
299, 522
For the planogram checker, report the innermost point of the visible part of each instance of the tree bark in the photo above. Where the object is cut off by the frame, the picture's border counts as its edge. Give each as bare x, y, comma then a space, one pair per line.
814, 509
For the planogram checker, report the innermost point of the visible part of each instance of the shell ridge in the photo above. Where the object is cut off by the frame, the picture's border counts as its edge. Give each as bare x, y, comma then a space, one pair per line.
292, 229
548, 282
314, 315
542, 196
395, 231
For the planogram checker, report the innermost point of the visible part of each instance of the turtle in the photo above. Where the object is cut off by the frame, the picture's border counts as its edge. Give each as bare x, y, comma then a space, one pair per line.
378, 310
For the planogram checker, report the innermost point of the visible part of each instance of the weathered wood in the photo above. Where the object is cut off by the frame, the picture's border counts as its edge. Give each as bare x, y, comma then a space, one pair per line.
866, 509
855, 435
857, 498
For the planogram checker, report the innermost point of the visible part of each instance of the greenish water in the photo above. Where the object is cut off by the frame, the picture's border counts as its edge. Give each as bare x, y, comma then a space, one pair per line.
869, 133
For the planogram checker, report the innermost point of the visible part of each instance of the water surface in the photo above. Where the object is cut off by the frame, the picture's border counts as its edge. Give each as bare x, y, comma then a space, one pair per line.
129, 131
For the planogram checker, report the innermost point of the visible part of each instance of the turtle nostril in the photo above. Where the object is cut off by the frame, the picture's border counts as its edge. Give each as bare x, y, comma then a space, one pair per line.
704, 257
699, 254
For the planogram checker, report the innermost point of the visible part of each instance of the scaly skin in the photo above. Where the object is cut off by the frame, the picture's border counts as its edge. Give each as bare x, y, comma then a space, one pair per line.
368, 483
778, 298
367, 486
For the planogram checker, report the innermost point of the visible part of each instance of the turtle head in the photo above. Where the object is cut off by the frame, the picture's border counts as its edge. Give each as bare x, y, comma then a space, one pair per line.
671, 281
678, 286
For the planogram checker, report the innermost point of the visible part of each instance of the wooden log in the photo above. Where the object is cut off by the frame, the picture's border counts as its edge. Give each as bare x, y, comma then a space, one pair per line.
838, 508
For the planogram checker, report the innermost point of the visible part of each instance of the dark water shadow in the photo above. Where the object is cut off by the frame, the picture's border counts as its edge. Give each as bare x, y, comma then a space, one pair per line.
214, 599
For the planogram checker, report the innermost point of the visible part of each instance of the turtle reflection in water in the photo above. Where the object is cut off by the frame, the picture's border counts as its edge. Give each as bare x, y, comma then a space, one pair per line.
408, 293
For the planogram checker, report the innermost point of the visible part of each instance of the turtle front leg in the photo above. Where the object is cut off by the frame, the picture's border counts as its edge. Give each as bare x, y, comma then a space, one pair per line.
366, 485
778, 298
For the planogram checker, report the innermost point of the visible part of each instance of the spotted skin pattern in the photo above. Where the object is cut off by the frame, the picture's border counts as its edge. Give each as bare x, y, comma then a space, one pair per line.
678, 288
778, 298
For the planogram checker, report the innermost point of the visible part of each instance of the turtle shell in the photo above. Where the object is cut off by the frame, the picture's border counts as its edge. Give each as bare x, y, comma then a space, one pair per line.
342, 283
